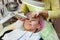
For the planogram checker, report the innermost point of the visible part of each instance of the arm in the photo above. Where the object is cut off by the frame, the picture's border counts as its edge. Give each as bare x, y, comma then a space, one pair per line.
52, 5
47, 4
50, 14
53, 14
23, 8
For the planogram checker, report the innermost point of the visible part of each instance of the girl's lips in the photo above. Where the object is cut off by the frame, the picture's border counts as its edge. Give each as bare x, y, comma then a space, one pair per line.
28, 24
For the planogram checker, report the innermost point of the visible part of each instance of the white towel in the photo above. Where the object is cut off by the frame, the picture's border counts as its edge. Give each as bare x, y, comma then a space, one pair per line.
18, 34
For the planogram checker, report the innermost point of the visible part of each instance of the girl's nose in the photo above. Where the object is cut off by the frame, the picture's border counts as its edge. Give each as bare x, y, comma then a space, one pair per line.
29, 20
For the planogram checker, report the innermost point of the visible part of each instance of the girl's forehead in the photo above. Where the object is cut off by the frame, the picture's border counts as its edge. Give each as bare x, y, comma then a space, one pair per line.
30, 15
33, 18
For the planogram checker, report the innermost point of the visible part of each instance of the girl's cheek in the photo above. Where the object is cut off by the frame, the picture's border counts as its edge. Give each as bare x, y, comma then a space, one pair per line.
34, 22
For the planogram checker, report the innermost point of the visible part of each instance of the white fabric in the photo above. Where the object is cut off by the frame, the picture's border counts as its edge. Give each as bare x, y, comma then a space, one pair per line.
18, 34
19, 31
18, 24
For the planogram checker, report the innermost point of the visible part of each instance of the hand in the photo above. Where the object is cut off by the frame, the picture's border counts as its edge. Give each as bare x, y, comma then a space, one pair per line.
20, 18
43, 13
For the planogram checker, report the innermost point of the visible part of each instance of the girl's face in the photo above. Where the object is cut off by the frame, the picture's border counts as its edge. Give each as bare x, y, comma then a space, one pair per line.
32, 23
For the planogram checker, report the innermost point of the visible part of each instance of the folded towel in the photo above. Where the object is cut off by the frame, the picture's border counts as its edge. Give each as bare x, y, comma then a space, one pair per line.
17, 24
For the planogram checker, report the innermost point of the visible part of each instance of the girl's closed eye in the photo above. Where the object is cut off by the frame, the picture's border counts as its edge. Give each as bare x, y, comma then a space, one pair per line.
27, 18
33, 20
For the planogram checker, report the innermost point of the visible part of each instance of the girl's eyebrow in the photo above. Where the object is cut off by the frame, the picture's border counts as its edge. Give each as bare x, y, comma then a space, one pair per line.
27, 18
33, 18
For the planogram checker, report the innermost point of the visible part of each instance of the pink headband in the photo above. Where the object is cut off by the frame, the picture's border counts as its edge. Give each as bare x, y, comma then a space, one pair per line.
41, 23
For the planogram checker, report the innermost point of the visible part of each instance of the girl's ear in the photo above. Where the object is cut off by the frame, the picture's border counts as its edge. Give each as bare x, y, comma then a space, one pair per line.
38, 28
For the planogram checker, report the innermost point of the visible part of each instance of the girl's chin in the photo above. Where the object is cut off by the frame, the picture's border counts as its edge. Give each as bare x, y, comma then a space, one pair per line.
30, 30
27, 28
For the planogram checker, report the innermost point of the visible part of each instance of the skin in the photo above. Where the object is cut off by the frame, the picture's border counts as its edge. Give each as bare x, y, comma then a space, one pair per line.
31, 23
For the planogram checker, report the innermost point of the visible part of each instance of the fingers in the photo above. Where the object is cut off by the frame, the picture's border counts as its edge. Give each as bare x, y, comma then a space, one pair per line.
43, 13
20, 18
35, 13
